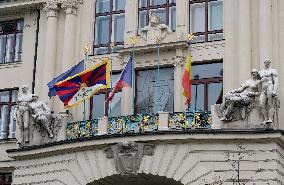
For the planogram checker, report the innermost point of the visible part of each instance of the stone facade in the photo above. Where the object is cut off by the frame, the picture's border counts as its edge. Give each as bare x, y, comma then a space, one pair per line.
253, 32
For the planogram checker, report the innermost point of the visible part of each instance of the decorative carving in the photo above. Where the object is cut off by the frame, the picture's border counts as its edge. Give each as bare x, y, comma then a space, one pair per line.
128, 156
269, 101
71, 3
32, 112
155, 32
179, 61
51, 5
239, 102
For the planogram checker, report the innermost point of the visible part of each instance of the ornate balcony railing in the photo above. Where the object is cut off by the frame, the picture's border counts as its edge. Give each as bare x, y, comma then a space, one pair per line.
138, 124
189, 120
82, 129
133, 123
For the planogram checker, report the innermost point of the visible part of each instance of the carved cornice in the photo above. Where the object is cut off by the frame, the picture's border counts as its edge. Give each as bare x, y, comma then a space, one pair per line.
71, 3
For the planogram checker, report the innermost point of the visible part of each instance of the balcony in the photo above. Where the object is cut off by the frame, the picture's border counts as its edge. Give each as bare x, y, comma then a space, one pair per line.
138, 124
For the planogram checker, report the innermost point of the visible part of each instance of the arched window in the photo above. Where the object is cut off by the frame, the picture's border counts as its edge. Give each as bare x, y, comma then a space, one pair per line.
109, 25
166, 9
206, 19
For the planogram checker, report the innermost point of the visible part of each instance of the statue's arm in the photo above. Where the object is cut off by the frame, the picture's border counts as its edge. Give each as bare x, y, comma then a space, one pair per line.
144, 32
241, 89
275, 82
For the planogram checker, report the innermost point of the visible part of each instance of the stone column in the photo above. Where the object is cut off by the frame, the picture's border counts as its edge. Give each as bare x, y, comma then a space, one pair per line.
182, 15
51, 8
131, 21
70, 7
265, 30
179, 99
244, 41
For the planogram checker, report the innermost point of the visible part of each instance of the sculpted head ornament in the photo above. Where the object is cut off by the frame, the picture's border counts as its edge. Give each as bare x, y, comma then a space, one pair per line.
155, 19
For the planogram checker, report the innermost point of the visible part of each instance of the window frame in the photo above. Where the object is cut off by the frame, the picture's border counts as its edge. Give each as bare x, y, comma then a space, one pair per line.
206, 82
14, 32
111, 14
206, 32
10, 104
149, 7
9, 175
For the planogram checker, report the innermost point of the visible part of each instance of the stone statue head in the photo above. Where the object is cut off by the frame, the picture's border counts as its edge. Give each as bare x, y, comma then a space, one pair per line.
35, 97
255, 74
25, 89
267, 63
155, 20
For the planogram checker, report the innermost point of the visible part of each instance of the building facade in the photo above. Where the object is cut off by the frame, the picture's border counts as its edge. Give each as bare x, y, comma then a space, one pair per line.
41, 39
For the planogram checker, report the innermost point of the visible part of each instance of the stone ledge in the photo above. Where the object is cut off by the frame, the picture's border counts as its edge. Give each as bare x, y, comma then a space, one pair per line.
261, 135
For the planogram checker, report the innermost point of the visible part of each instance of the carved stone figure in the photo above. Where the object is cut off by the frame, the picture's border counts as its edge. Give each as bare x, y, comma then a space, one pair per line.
41, 114
269, 102
155, 31
239, 102
23, 114
128, 156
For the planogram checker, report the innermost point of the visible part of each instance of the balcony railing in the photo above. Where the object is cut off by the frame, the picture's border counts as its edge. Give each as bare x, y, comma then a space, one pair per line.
163, 121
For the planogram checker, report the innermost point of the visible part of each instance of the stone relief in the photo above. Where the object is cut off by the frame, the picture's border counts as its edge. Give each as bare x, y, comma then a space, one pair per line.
128, 156
31, 112
155, 31
258, 93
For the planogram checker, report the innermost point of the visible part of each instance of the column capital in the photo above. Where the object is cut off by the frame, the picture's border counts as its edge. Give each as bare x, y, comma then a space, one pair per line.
71, 6
51, 8
179, 61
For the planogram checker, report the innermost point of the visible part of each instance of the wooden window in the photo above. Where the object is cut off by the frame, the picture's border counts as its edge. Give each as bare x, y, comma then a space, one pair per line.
109, 25
207, 86
11, 40
8, 100
206, 19
166, 9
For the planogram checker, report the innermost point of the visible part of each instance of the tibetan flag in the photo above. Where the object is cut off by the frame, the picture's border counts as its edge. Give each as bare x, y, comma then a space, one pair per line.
71, 72
125, 79
186, 79
84, 85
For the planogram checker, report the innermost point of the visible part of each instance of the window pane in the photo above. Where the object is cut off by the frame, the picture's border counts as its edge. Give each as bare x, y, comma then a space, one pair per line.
15, 95
119, 5
147, 88
3, 121
217, 36
162, 13
20, 25
143, 3
19, 42
4, 96
102, 30
197, 17
98, 110
118, 27
172, 1
207, 70
173, 18
214, 93
216, 15
142, 19
2, 48
10, 48
102, 6
102, 50
12, 126
158, 2
197, 98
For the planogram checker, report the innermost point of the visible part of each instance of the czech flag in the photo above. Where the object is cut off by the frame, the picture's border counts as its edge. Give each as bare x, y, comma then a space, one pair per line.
186, 79
84, 85
125, 79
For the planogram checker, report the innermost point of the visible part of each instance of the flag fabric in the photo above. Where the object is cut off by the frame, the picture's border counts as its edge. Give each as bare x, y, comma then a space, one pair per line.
71, 72
84, 85
186, 79
125, 79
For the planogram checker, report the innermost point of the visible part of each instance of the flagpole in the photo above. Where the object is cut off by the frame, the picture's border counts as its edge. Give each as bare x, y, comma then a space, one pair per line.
133, 41
110, 103
158, 75
86, 50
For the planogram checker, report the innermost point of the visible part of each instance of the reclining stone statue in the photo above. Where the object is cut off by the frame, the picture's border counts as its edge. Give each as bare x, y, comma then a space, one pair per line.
239, 102
33, 116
